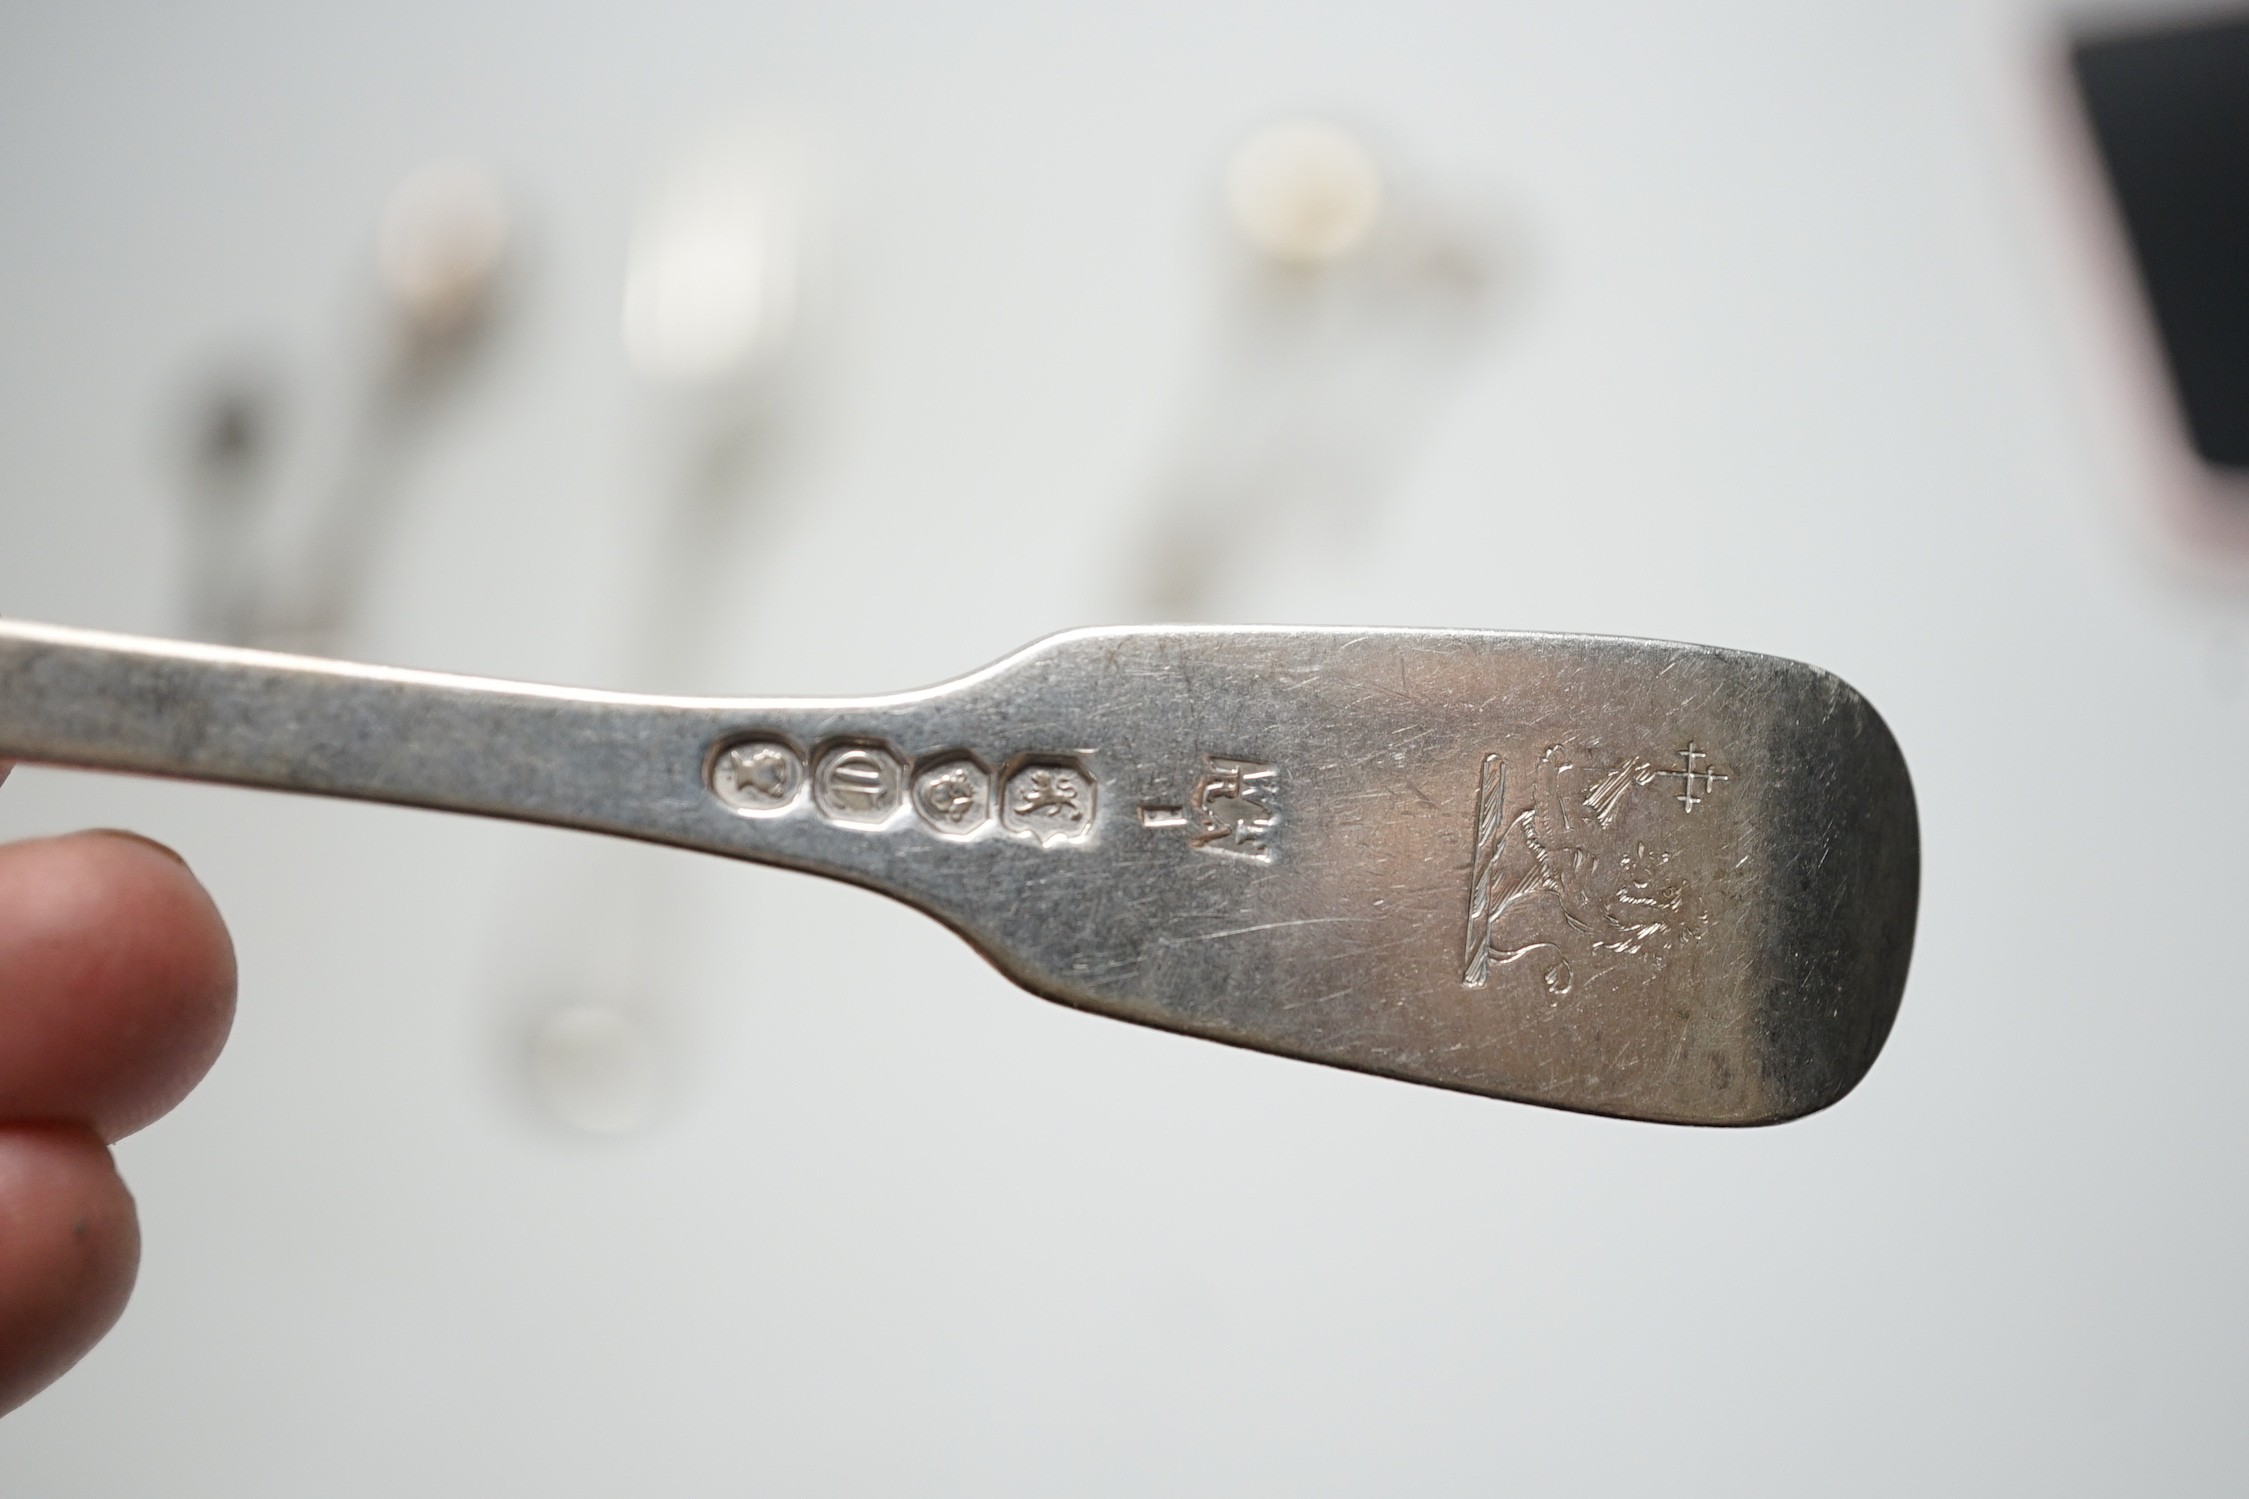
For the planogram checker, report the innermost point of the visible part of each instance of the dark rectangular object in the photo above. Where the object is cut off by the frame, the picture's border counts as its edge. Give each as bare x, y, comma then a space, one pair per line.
2170, 111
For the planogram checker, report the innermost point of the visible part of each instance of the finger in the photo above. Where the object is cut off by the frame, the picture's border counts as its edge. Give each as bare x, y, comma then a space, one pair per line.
69, 1246
116, 981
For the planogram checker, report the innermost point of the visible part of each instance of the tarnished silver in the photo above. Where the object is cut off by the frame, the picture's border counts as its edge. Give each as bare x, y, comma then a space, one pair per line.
1651, 880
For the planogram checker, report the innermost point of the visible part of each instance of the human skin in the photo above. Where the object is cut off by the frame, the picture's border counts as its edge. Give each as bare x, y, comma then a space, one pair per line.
116, 993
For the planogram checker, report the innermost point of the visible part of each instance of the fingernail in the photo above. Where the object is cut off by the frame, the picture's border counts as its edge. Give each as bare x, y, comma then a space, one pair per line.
144, 841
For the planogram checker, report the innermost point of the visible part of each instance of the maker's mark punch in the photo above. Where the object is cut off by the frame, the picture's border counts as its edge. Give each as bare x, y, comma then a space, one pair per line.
1233, 809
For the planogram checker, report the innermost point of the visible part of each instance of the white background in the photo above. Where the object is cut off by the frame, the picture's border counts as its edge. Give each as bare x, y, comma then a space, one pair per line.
1809, 346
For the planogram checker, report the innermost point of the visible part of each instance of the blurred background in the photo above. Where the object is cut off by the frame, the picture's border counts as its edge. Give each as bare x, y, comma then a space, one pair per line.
779, 348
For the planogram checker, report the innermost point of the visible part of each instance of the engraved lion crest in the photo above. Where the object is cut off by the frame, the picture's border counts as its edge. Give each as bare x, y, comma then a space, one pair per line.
1547, 884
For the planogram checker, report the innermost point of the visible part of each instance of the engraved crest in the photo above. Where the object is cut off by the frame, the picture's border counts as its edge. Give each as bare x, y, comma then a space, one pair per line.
1547, 886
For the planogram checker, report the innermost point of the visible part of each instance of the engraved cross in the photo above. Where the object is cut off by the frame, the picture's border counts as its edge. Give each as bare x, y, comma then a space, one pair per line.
1689, 778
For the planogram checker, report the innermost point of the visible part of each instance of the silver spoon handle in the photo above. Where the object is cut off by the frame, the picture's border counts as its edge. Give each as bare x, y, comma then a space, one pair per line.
1640, 878
608, 762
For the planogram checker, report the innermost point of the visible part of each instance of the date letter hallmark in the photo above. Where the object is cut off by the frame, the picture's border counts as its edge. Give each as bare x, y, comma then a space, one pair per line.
1233, 809
858, 784
1547, 871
